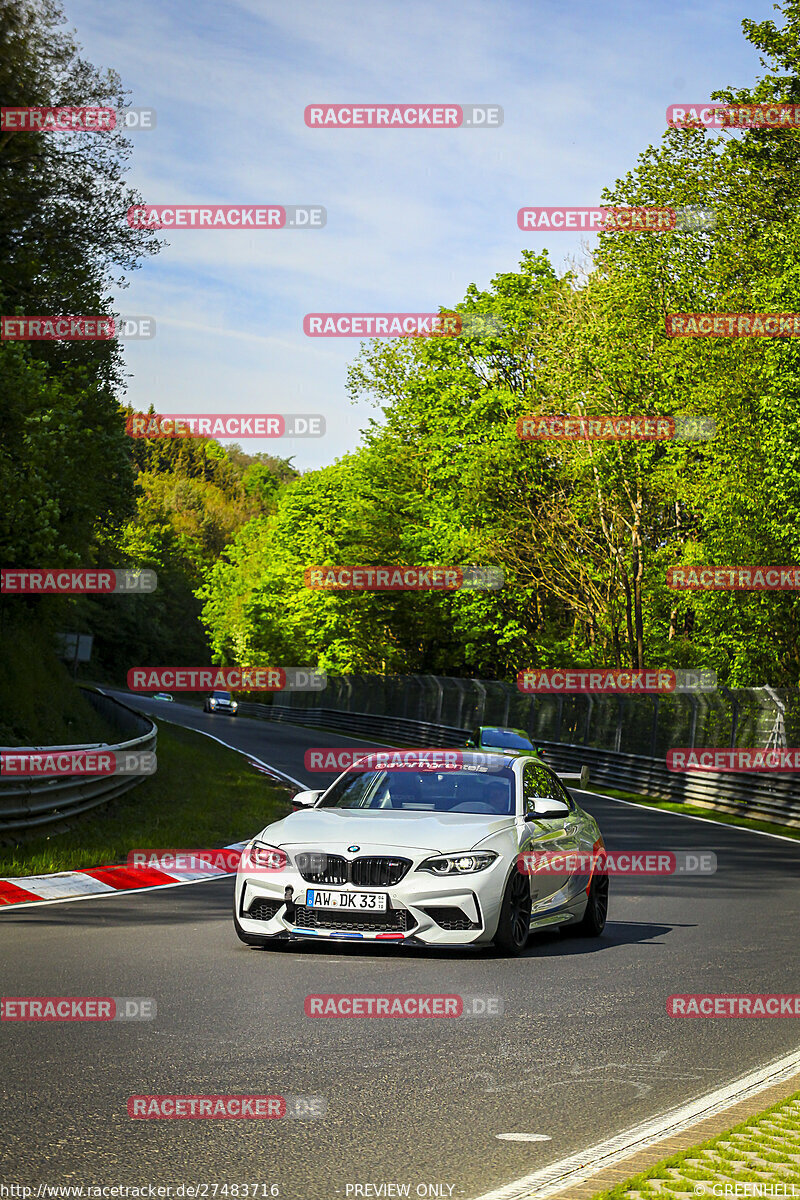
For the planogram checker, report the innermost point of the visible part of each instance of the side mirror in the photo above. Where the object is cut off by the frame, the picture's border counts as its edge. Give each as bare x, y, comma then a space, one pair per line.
305, 799
469, 742
546, 808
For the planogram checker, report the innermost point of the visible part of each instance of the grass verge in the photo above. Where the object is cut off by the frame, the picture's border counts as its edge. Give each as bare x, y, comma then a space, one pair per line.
693, 810
765, 1150
203, 795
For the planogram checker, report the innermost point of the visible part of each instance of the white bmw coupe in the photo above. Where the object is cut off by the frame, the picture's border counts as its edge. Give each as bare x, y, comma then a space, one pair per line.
426, 856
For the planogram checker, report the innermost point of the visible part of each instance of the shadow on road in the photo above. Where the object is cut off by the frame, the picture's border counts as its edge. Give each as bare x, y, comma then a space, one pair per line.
617, 933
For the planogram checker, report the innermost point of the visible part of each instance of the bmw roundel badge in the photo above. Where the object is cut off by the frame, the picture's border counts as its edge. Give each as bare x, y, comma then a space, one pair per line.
352, 849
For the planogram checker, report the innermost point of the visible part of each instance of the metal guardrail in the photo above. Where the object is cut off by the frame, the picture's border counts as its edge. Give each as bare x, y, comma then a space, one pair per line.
29, 802
766, 797
408, 732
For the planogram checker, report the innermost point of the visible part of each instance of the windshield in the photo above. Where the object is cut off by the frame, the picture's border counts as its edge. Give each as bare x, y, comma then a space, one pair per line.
457, 791
506, 739
222, 695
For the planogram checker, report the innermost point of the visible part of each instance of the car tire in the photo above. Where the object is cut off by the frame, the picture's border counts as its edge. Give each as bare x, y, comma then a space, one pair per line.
513, 926
593, 921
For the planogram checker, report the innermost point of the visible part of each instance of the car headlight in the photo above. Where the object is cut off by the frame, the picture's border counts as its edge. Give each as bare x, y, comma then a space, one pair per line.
466, 863
234, 705
262, 857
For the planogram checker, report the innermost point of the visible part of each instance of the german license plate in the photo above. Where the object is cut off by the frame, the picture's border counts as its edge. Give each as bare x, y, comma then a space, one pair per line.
353, 901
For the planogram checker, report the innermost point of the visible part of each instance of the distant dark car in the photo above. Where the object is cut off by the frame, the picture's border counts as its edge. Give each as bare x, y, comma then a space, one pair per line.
220, 702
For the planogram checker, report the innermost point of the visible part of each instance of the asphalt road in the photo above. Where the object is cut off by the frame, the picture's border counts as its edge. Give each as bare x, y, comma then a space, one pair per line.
583, 1049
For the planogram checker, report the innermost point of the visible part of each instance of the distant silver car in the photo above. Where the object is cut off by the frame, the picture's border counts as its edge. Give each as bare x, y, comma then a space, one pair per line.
428, 857
162, 696
220, 702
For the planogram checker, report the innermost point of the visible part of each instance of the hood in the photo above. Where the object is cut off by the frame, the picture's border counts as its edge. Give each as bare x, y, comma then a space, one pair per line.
337, 828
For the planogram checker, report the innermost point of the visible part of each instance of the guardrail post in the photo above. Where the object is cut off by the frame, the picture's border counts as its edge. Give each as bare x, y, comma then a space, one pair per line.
506, 707
419, 680
654, 732
734, 703
693, 726
734, 721
460, 709
481, 709
437, 720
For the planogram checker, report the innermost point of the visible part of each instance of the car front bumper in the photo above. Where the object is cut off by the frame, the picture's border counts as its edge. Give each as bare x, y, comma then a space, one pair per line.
421, 908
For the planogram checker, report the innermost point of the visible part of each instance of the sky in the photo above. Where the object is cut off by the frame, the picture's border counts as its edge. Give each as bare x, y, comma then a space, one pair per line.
413, 216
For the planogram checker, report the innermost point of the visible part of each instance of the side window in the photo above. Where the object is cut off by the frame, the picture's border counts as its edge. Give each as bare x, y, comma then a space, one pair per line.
538, 784
561, 793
